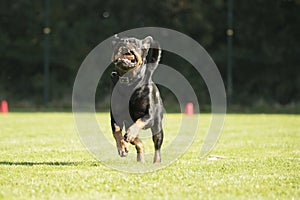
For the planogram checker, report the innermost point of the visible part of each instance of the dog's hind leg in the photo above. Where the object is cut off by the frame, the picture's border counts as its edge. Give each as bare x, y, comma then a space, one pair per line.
157, 137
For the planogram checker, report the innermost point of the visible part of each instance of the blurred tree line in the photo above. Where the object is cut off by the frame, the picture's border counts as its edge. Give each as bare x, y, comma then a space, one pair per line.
266, 45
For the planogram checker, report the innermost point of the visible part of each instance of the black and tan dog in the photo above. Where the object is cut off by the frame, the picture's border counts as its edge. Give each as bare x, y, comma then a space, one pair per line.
136, 102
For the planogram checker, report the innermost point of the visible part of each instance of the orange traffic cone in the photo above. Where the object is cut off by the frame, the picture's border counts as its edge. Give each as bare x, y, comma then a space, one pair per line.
189, 108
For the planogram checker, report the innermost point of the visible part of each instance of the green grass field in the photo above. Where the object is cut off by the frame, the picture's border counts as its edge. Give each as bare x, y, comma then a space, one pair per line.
41, 157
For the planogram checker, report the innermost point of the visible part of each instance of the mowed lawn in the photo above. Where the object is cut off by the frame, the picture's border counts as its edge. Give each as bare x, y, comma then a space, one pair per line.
41, 157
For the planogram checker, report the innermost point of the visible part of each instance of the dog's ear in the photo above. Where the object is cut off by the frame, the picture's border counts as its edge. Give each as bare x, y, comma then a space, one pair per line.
115, 40
146, 43
154, 53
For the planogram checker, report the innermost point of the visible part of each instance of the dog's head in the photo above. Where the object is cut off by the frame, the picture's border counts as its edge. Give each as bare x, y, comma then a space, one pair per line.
130, 53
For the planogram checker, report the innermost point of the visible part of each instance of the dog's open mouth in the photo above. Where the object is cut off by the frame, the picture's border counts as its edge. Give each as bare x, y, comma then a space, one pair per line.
127, 60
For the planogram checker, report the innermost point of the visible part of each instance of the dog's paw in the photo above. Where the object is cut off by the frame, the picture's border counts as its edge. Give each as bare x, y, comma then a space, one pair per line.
122, 149
132, 133
121, 144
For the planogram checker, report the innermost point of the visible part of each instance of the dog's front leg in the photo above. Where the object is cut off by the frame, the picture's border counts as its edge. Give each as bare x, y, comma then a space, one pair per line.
133, 131
120, 142
139, 149
132, 137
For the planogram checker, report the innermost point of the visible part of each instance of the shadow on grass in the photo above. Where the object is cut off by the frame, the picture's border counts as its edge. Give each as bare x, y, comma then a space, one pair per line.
89, 163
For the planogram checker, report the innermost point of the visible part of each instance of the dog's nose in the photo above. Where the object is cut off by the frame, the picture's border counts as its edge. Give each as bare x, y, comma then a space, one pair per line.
123, 50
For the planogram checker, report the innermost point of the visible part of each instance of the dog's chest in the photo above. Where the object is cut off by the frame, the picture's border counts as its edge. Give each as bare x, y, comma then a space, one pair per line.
139, 102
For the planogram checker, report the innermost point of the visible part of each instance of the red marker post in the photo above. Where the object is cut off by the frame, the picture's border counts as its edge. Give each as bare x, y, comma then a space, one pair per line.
4, 107
189, 109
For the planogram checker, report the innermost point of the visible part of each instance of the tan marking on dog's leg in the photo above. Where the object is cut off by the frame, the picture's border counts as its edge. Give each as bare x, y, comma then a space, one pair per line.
140, 123
120, 142
117, 128
139, 149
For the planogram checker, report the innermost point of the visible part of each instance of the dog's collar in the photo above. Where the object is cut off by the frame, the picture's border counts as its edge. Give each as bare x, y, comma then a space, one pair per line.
123, 79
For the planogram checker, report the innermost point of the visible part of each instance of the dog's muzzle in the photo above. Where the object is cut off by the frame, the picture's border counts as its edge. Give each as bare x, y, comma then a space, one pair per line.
127, 59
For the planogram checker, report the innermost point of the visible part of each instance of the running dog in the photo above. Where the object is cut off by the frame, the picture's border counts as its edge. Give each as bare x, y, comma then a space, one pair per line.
136, 103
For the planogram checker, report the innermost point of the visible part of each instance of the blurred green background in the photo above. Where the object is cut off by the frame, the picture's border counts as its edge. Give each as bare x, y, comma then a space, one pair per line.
266, 48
